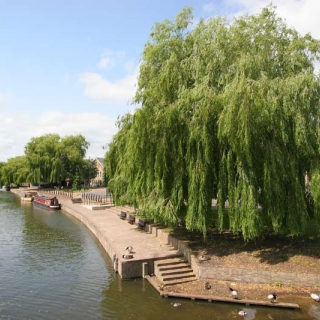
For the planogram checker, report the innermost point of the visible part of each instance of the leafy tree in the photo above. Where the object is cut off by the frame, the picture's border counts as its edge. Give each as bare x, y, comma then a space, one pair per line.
105, 178
89, 171
269, 121
41, 153
48, 158
53, 159
2, 164
72, 150
15, 171
228, 111
114, 160
76, 185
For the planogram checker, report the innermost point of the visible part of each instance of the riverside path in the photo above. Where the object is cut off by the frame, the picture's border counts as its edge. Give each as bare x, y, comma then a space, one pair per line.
116, 235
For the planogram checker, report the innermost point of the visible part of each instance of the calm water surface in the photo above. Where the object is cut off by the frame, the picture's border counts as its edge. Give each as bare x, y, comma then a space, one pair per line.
52, 267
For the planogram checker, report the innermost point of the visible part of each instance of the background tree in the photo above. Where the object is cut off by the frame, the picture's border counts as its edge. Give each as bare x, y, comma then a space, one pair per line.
228, 110
105, 178
70, 160
52, 159
41, 153
14, 171
89, 171
2, 164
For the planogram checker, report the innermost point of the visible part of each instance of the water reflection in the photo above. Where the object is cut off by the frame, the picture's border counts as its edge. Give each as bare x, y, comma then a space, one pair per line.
314, 311
47, 234
51, 266
136, 299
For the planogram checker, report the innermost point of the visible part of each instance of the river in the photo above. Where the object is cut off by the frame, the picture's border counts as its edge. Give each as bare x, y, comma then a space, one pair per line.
52, 267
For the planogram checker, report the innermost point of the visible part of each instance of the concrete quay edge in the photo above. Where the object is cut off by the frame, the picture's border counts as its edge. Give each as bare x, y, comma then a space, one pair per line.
115, 235
155, 243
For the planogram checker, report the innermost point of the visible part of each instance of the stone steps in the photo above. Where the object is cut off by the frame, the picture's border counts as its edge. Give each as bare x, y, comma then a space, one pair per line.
76, 200
173, 268
169, 271
173, 271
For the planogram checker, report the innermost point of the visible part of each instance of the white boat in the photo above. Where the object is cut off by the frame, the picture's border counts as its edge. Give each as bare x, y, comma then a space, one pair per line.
27, 197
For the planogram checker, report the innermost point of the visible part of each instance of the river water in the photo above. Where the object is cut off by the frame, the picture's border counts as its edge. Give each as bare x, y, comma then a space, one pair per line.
52, 267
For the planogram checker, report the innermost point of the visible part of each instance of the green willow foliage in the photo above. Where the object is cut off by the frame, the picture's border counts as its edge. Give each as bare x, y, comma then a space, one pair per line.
229, 111
51, 158
15, 170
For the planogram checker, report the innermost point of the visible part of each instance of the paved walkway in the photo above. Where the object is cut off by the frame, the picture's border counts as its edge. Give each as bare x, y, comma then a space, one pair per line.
116, 234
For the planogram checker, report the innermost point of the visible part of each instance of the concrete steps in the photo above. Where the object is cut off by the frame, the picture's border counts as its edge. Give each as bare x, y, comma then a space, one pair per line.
169, 271
76, 200
173, 271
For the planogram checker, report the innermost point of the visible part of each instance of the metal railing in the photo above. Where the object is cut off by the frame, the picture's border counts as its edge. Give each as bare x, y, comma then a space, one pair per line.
63, 193
88, 198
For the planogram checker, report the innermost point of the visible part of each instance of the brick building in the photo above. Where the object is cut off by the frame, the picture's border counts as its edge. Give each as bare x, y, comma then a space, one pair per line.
98, 180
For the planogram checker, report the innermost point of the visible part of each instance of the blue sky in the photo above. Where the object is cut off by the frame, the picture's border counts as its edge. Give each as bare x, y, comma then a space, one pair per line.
70, 67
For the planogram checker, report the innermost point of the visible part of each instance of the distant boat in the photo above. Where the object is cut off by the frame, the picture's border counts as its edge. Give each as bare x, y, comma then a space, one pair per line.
47, 202
27, 197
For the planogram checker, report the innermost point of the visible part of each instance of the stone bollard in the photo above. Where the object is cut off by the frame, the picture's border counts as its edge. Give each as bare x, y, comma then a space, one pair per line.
145, 270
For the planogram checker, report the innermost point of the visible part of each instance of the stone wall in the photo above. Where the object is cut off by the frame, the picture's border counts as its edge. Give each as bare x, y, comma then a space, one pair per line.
234, 274
255, 276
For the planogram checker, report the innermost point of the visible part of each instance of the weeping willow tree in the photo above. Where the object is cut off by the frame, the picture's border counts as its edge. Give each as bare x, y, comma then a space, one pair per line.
228, 111
269, 124
41, 154
15, 170
51, 158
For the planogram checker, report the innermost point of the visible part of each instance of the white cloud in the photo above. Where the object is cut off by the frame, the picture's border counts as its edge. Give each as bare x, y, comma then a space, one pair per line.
97, 128
98, 88
110, 59
105, 63
104, 88
9, 133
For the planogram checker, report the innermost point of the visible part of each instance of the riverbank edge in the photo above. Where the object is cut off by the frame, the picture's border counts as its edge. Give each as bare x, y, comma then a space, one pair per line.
204, 270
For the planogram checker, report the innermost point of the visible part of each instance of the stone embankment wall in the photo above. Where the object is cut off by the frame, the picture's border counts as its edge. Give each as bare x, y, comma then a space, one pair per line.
258, 276
205, 270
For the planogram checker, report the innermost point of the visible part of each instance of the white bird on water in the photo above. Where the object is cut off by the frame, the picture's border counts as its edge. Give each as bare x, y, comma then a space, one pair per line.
242, 313
315, 297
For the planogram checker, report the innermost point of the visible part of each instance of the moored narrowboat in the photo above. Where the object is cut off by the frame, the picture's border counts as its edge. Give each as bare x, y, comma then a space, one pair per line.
48, 202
